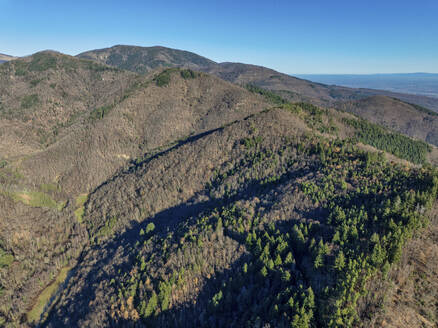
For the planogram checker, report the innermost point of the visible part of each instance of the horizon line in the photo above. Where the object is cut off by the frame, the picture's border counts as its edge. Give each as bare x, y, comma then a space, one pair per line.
291, 74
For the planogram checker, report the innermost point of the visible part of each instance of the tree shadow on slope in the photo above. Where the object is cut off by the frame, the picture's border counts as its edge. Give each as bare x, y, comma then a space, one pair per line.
239, 295
101, 263
202, 312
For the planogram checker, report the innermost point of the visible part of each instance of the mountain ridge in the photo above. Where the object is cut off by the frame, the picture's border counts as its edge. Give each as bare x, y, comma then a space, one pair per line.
143, 60
5, 58
262, 76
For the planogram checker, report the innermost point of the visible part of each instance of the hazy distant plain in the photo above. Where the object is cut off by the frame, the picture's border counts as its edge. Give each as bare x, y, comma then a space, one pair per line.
415, 83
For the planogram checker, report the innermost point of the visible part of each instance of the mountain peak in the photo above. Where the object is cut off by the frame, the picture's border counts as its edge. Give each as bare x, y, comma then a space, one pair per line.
145, 59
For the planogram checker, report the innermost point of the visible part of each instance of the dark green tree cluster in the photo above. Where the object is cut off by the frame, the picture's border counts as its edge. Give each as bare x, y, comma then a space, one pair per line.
269, 95
392, 142
188, 74
162, 79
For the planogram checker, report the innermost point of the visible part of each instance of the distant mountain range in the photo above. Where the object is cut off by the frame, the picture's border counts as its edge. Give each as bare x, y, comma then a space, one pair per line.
415, 83
5, 58
144, 59
405, 115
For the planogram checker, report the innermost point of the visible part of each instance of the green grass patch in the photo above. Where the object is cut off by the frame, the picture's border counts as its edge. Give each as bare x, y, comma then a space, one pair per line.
49, 187
80, 202
6, 259
35, 313
35, 199
79, 214
61, 205
81, 199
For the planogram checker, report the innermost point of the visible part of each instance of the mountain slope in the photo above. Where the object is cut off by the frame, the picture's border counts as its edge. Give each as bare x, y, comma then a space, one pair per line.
142, 59
176, 197
396, 115
358, 101
107, 118
263, 209
43, 95
145, 59
151, 117
290, 87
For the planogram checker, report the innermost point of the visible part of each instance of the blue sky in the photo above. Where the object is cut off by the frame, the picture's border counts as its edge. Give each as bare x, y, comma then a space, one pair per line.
336, 36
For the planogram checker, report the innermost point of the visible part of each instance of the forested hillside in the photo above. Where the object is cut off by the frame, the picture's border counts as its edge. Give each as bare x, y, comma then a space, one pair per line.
268, 209
412, 120
144, 60
94, 121
175, 198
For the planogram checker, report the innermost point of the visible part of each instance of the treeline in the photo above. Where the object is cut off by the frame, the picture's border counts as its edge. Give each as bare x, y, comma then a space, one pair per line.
163, 79
314, 116
269, 95
392, 142
372, 134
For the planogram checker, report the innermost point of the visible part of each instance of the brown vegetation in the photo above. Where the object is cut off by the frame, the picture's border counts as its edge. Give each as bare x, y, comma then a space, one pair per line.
101, 169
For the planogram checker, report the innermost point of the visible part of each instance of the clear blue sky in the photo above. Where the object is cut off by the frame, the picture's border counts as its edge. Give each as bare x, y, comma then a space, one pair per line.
319, 36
